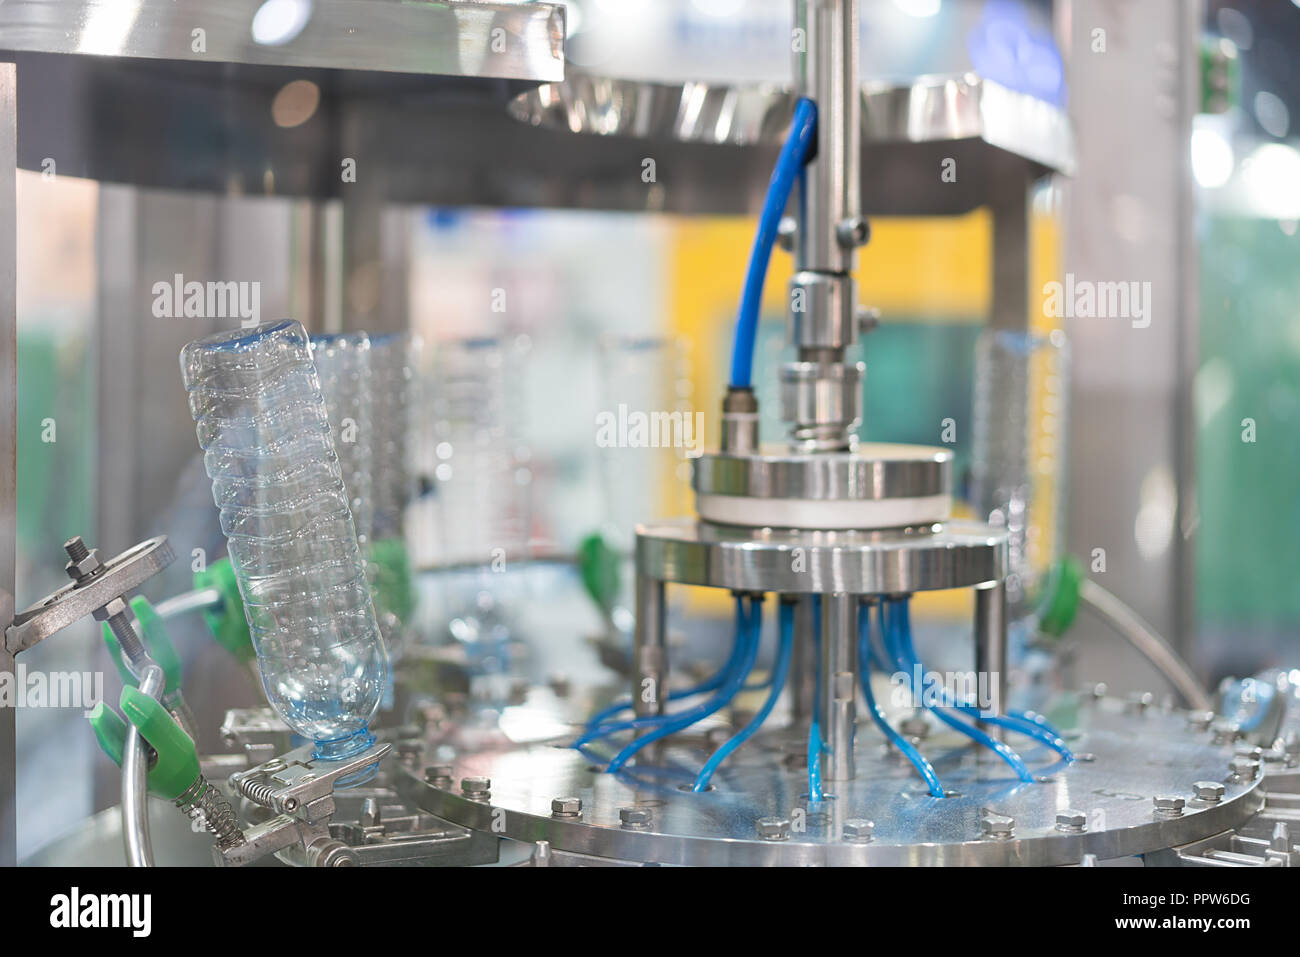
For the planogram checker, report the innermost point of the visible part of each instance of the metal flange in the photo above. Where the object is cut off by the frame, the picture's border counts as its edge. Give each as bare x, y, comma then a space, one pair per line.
888, 561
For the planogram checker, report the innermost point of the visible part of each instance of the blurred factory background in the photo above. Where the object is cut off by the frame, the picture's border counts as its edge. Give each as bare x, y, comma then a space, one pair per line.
1175, 478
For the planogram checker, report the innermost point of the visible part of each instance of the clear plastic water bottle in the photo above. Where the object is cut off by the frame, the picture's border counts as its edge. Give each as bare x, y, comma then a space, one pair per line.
261, 421
343, 366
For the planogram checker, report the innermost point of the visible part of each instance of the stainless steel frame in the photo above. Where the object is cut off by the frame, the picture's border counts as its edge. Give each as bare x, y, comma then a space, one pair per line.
8, 439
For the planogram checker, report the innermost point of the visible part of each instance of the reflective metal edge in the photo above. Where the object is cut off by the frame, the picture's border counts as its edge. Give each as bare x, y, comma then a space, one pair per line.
890, 561
449, 38
929, 109
865, 474
1032, 846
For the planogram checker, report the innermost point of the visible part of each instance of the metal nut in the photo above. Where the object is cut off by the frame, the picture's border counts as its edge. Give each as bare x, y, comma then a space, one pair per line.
635, 817
998, 826
1245, 769
1225, 731
566, 807
1075, 822
115, 607
476, 787
85, 567
438, 773
1170, 805
1210, 792
1200, 720
858, 831
773, 828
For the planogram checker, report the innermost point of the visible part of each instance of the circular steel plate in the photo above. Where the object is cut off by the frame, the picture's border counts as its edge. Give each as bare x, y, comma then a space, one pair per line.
1134, 758
858, 562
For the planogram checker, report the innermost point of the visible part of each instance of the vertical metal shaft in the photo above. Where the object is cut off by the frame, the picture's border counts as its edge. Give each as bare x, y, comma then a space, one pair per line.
650, 656
991, 646
803, 667
839, 687
826, 70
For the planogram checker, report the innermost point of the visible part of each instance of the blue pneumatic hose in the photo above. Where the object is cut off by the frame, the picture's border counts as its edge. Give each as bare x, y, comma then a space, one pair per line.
779, 673
890, 627
1016, 721
596, 730
908, 750
719, 700
794, 155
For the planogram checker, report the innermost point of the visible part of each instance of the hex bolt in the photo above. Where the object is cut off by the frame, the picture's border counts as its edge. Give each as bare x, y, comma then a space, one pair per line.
635, 818
853, 232
773, 828
566, 807
476, 789
84, 562
1244, 769
1200, 720
999, 827
858, 831
439, 775
1211, 792
371, 816
1169, 805
1072, 822
1248, 751
1281, 838
1138, 703
1225, 731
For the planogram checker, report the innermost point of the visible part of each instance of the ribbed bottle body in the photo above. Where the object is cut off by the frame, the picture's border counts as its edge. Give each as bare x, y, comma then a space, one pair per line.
276, 479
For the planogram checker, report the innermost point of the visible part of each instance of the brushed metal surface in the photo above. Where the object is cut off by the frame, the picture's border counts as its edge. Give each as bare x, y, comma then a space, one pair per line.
1135, 758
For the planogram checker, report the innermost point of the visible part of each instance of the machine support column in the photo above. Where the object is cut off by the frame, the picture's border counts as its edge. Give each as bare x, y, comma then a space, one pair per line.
803, 666
991, 648
650, 656
839, 689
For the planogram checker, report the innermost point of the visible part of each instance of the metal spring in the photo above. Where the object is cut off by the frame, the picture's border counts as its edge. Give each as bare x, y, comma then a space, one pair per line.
257, 792
211, 806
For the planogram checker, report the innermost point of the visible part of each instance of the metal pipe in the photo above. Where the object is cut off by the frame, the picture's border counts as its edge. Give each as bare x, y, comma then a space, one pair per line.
201, 599
650, 654
1150, 645
839, 687
991, 648
135, 782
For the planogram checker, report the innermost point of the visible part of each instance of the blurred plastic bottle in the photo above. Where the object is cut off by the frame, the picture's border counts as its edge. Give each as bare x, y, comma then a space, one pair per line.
261, 421
1018, 469
343, 366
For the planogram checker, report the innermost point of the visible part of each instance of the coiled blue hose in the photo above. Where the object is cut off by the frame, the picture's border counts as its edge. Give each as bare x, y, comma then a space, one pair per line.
794, 155
677, 722
779, 673
908, 750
